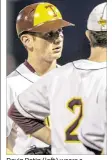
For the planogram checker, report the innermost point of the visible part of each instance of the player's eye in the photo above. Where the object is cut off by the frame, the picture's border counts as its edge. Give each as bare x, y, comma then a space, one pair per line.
49, 35
52, 35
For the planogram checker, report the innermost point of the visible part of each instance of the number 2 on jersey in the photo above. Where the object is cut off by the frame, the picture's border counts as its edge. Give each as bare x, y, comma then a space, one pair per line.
70, 132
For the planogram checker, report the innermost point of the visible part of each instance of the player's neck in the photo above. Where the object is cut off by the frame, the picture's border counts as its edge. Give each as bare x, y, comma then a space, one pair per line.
98, 54
40, 66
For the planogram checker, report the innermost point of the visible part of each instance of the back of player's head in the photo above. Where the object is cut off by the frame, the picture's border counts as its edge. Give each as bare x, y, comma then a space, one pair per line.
97, 20
97, 26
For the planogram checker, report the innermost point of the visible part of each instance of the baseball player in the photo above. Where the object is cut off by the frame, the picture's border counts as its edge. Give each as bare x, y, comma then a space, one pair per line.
69, 94
39, 27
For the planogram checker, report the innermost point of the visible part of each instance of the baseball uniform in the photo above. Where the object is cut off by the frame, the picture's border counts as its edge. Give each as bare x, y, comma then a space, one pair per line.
68, 94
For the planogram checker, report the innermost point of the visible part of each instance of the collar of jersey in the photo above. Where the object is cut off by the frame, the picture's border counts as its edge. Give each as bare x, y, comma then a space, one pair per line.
28, 72
88, 65
32, 69
29, 66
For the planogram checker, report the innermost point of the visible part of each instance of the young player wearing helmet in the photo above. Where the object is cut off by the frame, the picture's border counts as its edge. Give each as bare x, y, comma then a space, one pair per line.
39, 27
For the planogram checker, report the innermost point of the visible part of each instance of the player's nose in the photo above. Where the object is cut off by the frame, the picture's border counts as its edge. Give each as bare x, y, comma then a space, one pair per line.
59, 39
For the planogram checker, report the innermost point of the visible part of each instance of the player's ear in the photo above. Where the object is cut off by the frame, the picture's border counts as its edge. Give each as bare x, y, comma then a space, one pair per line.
87, 34
27, 41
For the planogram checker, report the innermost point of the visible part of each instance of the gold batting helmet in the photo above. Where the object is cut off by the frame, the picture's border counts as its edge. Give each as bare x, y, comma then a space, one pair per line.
40, 17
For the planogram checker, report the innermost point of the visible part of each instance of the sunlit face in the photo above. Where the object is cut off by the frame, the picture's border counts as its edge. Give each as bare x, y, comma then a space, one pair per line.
48, 46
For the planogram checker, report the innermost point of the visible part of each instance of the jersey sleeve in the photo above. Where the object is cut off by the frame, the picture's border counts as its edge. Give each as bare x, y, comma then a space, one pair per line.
10, 99
93, 129
34, 102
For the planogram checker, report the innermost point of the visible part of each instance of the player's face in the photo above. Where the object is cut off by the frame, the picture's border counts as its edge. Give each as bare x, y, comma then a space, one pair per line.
49, 45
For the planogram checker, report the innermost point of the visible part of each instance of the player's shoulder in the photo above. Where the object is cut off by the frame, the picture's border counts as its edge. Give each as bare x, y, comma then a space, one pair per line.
54, 75
63, 70
86, 64
59, 72
14, 73
14, 77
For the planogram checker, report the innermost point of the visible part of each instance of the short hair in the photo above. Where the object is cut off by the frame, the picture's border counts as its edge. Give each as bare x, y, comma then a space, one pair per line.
98, 38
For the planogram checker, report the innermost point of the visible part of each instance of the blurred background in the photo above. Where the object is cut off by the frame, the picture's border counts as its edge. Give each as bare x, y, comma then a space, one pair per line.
76, 45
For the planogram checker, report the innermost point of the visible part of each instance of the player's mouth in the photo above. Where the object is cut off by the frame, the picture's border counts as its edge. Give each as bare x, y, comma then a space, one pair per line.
57, 49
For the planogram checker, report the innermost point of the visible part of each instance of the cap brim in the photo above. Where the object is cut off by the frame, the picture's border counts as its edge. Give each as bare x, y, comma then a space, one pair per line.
51, 25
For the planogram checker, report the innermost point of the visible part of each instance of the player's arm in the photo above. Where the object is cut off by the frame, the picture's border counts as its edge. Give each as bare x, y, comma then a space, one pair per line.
32, 127
44, 134
33, 105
